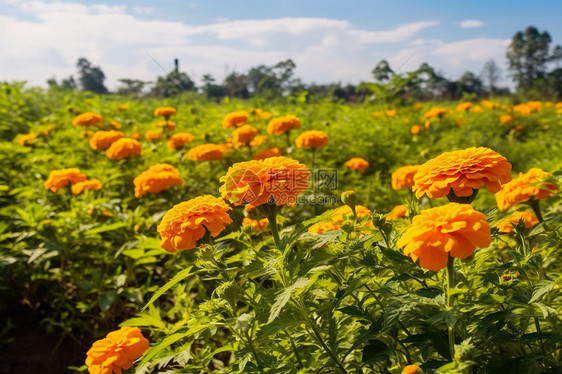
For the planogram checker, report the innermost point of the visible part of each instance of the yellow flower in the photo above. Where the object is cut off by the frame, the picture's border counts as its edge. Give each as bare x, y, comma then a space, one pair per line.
115, 124
92, 184
152, 135
186, 223
62, 178
235, 119
404, 177
122, 107
312, 139
281, 125
464, 107
258, 182
244, 134
176, 141
87, 119
104, 139
117, 351
399, 211
412, 369
257, 225
357, 163
322, 227
339, 214
391, 113
266, 153
124, 147
169, 125
435, 112
530, 185
415, 130
462, 172
454, 229
165, 112
529, 219
26, 139
506, 118
258, 140
206, 152
157, 178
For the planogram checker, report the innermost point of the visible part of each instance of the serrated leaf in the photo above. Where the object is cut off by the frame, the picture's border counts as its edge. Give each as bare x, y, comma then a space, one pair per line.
284, 297
540, 289
105, 228
185, 273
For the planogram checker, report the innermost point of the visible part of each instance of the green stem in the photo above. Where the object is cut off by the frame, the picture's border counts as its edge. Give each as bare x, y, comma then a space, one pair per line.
313, 157
450, 285
270, 212
288, 138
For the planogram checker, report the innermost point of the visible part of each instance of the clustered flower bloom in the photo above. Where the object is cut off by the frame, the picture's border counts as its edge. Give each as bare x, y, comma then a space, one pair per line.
244, 134
235, 119
404, 177
257, 225
169, 125
165, 112
530, 185
528, 218
399, 211
357, 163
206, 152
157, 178
62, 178
151, 135
464, 107
415, 130
177, 141
124, 147
435, 112
87, 119
104, 139
462, 172
117, 351
453, 229
27, 138
186, 223
258, 140
276, 180
312, 139
339, 215
281, 125
91, 184
266, 153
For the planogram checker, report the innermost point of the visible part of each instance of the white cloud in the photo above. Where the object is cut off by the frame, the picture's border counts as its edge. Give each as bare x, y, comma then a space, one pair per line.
121, 42
471, 23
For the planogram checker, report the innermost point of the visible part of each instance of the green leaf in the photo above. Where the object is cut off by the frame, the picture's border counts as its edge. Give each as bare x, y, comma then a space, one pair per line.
144, 319
153, 351
106, 300
284, 297
185, 273
105, 228
375, 351
541, 289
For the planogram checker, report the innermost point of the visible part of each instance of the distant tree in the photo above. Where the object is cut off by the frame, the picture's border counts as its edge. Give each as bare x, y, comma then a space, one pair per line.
528, 55
382, 72
211, 90
491, 74
172, 84
90, 77
131, 87
470, 83
284, 71
235, 85
69, 83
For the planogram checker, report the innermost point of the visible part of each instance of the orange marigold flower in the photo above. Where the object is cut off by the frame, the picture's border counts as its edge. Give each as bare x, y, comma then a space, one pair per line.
281, 125
322, 227
412, 369
117, 351
435, 112
258, 182
104, 139
529, 219
46, 131
391, 112
266, 153
339, 214
122, 107
157, 178
87, 119
235, 119
124, 147
462, 172
169, 125
312, 139
404, 177
519, 128
506, 118
206, 152
357, 163
490, 104
262, 114
454, 229
415, 130
136, 135
258, 140
257, 225
62, 178
399, 211
165, 112
176, 141
27, 138
92, 184
152, 135
186, 223
464, 107
524, 188
244, 134
115, 124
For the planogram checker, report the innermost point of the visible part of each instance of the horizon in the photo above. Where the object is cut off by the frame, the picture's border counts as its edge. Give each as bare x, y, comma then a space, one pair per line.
327, 43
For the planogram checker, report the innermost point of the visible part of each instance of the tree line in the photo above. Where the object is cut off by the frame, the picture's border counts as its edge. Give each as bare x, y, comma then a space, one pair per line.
532, 63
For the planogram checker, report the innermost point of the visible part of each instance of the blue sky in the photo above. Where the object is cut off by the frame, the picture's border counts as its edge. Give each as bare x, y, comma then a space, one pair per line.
329, 41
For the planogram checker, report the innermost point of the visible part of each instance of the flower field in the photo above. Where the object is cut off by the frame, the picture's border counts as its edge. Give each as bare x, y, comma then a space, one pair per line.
186, 236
